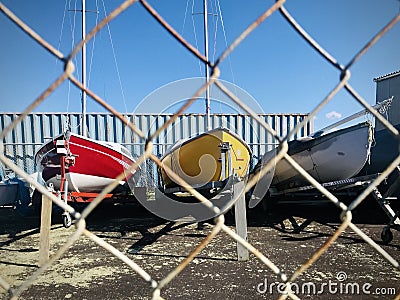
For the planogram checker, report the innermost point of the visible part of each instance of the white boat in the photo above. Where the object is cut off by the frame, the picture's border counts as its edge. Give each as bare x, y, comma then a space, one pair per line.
13, 191
8, 192
332, 156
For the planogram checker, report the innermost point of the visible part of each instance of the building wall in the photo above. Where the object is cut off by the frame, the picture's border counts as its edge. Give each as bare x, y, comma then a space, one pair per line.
386, 87
21, 143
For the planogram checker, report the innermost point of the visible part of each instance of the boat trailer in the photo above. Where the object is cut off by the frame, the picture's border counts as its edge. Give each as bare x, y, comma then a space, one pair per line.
63, 194
350, 187
67, 160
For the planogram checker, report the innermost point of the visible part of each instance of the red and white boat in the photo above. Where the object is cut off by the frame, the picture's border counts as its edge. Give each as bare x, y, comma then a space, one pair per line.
96, 163
87, 165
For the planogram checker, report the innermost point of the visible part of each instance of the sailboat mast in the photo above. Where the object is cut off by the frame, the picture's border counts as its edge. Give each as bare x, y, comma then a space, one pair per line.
84, 128
208, 120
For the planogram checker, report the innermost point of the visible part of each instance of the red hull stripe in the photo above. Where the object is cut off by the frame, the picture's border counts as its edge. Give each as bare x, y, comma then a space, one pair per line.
96, 159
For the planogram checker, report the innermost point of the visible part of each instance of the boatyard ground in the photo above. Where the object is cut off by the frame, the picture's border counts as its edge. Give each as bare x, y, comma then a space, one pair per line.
87, 271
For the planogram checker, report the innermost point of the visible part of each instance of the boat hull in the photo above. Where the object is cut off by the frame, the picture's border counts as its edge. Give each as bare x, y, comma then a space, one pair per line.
206, 160
8, 192
96, 164
334, 156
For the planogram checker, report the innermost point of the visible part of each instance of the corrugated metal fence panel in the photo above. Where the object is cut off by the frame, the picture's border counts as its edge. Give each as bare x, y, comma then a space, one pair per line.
387, 87
22, 142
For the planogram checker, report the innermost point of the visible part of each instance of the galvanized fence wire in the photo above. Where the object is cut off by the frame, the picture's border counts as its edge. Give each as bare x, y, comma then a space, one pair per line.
156, 287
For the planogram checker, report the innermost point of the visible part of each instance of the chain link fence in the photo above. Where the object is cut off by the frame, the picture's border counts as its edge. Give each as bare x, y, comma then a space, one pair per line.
156, 287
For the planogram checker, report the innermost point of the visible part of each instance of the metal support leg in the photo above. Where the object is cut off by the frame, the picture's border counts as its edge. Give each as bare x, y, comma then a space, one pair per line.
66, 217
394, 220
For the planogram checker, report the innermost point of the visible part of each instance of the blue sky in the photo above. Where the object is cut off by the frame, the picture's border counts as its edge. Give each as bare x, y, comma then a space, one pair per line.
274, 64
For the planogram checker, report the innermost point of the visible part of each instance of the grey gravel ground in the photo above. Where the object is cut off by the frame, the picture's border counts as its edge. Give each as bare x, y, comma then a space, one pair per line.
87, 271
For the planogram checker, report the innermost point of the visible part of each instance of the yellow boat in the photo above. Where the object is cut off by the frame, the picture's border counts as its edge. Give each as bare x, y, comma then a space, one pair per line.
206, 161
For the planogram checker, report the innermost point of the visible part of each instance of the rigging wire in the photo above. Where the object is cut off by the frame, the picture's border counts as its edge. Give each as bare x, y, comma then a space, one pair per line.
62, 29
67, 119
226, 40
215, 22
226, 45
93, 44
195, 38
67, 125
72, 29
115, 60
184, 18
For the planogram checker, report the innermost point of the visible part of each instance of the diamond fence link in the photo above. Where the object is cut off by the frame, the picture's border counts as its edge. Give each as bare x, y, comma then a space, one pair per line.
21, 156
148, 159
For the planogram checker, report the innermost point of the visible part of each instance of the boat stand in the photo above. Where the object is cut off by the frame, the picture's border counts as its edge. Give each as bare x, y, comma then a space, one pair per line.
384, 202
235, 190
67, 160
297, 228
348, 187
173, 210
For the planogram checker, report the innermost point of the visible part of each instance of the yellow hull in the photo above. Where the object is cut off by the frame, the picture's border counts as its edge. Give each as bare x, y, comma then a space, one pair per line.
210, 157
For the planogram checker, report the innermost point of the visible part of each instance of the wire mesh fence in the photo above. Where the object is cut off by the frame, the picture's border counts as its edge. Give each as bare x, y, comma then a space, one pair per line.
157, 286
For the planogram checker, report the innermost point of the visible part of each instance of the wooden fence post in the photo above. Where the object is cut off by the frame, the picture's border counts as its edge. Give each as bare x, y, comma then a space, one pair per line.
45, 224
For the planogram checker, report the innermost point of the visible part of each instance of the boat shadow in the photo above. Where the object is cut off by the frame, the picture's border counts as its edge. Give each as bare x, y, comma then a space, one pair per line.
301, 221
293, 222
15, 227
146, 232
